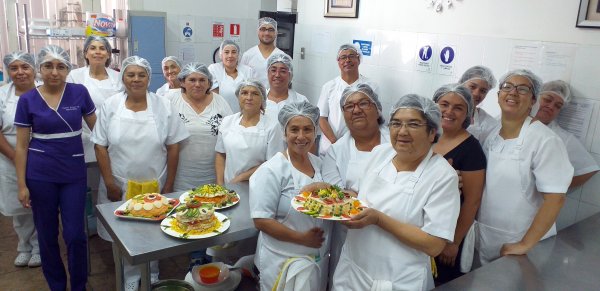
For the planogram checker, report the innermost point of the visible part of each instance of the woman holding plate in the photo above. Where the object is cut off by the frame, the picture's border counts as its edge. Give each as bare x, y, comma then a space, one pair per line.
289, 239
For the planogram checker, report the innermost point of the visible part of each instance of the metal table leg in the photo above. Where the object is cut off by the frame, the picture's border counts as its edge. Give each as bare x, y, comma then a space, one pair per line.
145, 276
120, 284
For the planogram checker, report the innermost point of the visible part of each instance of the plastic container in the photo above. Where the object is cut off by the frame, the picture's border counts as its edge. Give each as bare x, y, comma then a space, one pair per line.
210, 274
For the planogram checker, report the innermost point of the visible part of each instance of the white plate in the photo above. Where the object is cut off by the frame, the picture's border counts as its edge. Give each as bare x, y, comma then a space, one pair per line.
119, 211
235, 277
165, 225
183, 198
298, 205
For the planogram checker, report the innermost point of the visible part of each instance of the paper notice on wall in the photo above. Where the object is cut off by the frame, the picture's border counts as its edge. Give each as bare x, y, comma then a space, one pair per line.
525, 55
187, 53
575, 118
557, 62
320, 42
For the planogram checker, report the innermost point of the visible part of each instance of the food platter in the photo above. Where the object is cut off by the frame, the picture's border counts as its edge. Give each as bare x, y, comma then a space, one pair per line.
166, 226
233, 199
122, 211
298, 205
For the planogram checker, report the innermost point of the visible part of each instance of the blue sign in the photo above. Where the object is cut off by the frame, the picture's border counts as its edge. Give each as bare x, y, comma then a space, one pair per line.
425, 53
447, 55
187, 31
365, 46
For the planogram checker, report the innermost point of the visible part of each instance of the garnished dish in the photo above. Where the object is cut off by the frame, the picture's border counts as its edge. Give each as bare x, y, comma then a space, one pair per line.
150, 206
215, 194
195, 220
329, 203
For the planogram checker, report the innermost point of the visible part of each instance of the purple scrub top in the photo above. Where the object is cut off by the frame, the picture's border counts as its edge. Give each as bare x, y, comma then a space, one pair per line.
55, 159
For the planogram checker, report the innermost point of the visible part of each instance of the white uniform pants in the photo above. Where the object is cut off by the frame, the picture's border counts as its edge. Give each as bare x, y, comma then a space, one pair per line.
25, 229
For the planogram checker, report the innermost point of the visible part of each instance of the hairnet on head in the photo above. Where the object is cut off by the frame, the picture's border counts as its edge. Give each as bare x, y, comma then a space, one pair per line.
534, 80
558, 87
481, 73
369, 92
267, 21
53, 52
136, 61
171, 58
18, 56
349, 46
195, 67
461, 91
103, 40
229, 42
281, 58
292, 110
430, 110
256, 84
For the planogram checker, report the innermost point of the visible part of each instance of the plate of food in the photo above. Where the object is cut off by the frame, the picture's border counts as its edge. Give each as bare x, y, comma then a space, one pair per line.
149, 206
195, 220
218, 195
328, 203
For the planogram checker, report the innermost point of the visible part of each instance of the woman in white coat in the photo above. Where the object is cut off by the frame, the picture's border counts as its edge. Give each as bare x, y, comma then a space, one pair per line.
413, 201
479, 80
528, 173
20, 67
137, 139
171, 66
280, 73
248, 137
344, 163
289, 239
202, 112
229, 73
100, 81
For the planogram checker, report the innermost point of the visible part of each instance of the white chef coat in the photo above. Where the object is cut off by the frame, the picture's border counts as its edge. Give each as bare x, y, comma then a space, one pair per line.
580, 158
254, 59
164, 90
197, 154
272, 187
246, 147
427, 198
329, 106
99, 90
517, 170
227, 84
136, 141
9, 202
273, 108
482, 125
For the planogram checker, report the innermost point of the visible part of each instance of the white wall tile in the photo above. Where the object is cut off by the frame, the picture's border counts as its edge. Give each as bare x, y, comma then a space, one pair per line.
568, 213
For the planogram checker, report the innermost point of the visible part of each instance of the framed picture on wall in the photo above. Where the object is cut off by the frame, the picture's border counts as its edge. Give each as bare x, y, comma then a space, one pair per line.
589, 14
342, 8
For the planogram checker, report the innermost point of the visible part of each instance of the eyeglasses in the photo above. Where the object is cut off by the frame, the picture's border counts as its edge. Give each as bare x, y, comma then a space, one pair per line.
410, 125
50, 67
348, 57
521, 89
363, 105
264, 29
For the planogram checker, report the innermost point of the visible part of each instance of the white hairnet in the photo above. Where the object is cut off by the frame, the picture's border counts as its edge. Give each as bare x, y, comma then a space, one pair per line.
292, 110
281, 58
461, 91
195, 67
479, 72
103, 40
369, 92
136, 61
171, 58
349, 46
229, 42
430, 110
53, 52
558, 87
256, 84
18, 56
267, 21
534, 80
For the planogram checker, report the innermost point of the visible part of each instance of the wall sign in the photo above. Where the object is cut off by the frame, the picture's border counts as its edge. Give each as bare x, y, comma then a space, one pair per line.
446, 65
424, 58
364, 46
218, 30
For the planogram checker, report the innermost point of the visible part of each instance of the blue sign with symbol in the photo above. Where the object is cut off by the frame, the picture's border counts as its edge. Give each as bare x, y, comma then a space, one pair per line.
447, 55
187, 31
425, 53
365, 46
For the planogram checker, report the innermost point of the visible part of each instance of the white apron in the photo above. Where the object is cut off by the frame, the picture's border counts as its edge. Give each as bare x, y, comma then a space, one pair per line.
9, 202
247, 148
386, 263
273, 253
136, 153
507, 210
227, 87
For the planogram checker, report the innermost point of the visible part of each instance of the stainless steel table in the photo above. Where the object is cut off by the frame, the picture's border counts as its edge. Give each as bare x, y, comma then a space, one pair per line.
568, 261
141, 242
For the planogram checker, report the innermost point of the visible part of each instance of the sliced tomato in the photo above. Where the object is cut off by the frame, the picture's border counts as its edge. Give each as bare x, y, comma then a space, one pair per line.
120, 212
194, 203
300, 198
173, 201
345, 216
235, 199
326, 216
301, 208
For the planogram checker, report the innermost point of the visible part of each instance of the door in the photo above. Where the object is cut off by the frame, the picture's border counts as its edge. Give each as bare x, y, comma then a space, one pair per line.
147, 40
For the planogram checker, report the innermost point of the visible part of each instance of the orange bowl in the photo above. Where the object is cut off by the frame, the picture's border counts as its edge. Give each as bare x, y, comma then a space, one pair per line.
210, 274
